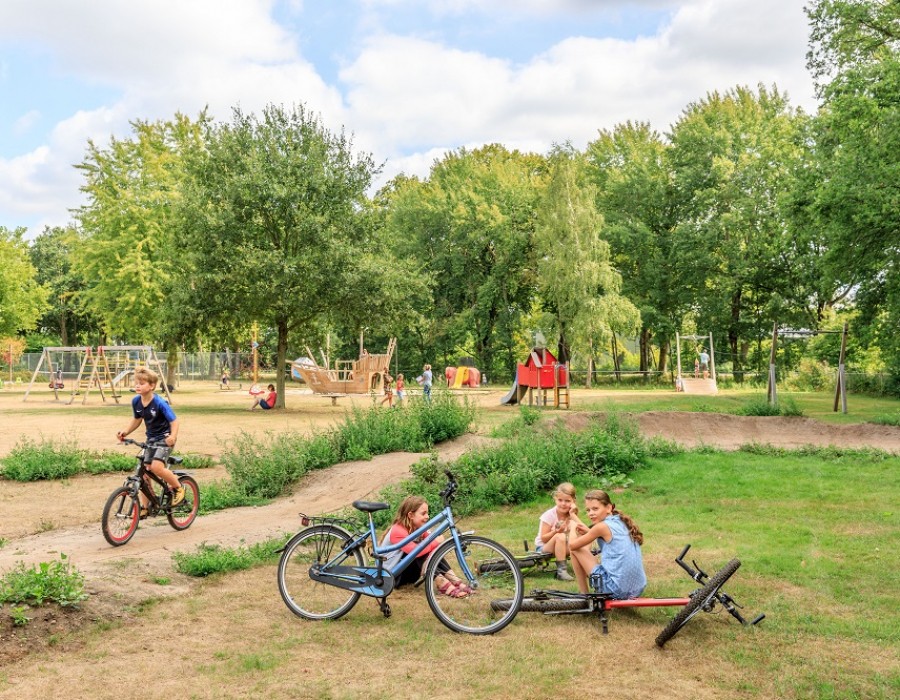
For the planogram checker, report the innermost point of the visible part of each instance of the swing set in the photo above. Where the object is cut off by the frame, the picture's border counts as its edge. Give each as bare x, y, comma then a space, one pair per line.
840, 391
106, 368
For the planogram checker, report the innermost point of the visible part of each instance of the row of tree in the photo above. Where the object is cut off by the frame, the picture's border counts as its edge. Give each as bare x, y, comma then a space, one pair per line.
747, 213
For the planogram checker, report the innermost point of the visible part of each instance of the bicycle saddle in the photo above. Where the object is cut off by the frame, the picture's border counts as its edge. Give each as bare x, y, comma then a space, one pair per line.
369, 506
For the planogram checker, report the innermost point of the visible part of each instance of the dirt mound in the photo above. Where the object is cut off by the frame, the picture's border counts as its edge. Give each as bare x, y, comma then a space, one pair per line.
729, 432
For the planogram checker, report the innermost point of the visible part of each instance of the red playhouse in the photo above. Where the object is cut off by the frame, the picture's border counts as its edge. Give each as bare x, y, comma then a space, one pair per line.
543, 372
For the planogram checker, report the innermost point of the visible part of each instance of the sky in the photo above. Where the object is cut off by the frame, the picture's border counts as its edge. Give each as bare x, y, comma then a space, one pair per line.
410, 80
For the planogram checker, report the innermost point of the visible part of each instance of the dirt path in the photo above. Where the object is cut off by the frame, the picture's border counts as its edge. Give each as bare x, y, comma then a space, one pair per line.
152, 546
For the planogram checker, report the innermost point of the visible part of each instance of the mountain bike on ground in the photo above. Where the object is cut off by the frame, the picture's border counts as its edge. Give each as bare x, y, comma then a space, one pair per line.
122, 511
323, 569
707, 599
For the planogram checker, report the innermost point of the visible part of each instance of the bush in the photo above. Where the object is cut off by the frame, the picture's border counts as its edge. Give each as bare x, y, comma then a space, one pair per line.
266, 468
212, 558
56, 581
34, 461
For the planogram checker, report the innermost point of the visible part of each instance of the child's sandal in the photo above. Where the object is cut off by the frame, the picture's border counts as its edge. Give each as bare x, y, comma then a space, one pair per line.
450, 590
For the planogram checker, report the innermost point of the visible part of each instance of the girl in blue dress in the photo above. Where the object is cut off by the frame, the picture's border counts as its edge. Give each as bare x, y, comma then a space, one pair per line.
621, 568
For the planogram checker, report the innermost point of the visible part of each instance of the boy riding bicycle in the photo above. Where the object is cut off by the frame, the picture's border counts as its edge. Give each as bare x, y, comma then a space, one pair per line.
162, 431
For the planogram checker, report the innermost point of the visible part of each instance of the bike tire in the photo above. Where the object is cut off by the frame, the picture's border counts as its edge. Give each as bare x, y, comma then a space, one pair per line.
183, 515
698, 601
120, 516
303, 596
474, 614
543, 605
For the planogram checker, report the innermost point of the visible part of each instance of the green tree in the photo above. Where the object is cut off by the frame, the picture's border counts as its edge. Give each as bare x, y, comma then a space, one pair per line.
22, 298
631, 169
51, 254
275, 221
855, 192
471, 227
577, 279
732, 159
130, 256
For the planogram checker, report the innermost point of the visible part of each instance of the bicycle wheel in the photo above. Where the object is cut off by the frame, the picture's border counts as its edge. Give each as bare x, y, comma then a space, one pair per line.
474, 613
120, 517
181, 516
699, 601
542, 604
310, 599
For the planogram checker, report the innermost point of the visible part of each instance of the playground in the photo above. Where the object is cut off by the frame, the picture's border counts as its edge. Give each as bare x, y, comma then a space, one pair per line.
43, 518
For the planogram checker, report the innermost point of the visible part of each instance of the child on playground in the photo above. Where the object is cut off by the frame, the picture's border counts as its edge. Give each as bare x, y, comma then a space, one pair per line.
162, 430
401, 389
621, 571
388, 390
557, 527
225, 377
411, 515
426, 379
266, 403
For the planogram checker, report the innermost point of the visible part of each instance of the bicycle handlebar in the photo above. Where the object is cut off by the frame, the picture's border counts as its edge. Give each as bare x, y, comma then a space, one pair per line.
129, 441
449, 491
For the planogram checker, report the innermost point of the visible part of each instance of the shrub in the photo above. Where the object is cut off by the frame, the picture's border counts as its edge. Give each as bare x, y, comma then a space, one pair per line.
213, 558
56, 581
34, 461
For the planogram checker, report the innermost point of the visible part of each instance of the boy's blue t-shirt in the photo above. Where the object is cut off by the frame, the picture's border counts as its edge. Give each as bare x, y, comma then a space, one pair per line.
157, 417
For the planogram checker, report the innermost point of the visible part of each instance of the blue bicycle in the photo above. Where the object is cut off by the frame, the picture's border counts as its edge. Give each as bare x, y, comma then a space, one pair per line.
323, 570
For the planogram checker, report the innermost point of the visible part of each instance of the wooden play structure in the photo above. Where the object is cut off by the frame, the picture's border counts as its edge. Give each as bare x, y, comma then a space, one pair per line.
541, 373
694, 384
840, 390
360, 376
462, 377
106, 369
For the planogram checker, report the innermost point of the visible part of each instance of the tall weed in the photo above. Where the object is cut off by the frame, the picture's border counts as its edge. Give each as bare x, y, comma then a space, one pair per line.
55, 581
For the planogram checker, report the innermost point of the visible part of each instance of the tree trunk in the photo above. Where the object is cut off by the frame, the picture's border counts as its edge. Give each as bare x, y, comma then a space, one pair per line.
590, 365
563, 351
172, 355
615, 353
663, 356
281, 361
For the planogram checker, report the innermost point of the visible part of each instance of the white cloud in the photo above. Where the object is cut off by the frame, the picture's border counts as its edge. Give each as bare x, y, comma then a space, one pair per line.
406, 99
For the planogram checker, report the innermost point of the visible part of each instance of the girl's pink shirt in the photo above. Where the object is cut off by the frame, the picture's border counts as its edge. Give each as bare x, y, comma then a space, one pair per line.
398, 532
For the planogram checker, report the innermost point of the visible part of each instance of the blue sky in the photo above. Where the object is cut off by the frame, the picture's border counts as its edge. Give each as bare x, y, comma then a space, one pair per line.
410, 79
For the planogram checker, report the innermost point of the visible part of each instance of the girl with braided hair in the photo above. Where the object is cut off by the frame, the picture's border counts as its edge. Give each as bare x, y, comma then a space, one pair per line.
621, 571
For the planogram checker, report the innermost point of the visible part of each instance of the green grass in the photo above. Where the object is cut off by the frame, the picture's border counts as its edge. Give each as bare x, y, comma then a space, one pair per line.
54, 581
211, 559
816, 533
32, 460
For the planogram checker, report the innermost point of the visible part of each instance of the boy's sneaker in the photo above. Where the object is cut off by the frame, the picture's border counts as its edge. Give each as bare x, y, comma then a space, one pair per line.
178, 495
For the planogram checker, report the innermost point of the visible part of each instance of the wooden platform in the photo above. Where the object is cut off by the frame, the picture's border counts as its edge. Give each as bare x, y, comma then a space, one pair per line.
689, 385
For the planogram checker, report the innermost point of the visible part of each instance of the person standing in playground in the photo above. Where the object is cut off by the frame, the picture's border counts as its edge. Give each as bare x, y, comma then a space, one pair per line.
388, 391
426, 379
226, 375
401, 389
704, 363
162, 430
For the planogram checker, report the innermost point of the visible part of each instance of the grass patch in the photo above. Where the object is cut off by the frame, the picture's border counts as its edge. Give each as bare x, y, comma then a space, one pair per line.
212, 559
887, 419
261, 469
760, 406
55, 582
32, 460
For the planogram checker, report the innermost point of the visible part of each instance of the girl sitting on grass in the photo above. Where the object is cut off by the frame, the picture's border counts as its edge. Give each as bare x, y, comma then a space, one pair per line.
413, 514
621, 572
556, 526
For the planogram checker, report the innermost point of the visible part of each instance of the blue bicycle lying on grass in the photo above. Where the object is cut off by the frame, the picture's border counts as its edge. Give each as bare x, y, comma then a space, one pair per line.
323, 569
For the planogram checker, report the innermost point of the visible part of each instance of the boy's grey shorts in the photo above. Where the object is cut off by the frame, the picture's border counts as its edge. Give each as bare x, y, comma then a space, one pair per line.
158, 453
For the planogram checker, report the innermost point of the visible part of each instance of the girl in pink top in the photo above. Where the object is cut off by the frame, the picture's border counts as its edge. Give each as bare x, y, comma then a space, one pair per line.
557, 526
413, 514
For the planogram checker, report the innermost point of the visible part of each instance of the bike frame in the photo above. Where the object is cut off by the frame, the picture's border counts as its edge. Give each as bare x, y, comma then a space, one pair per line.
603, 602
138, 480
377, 581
